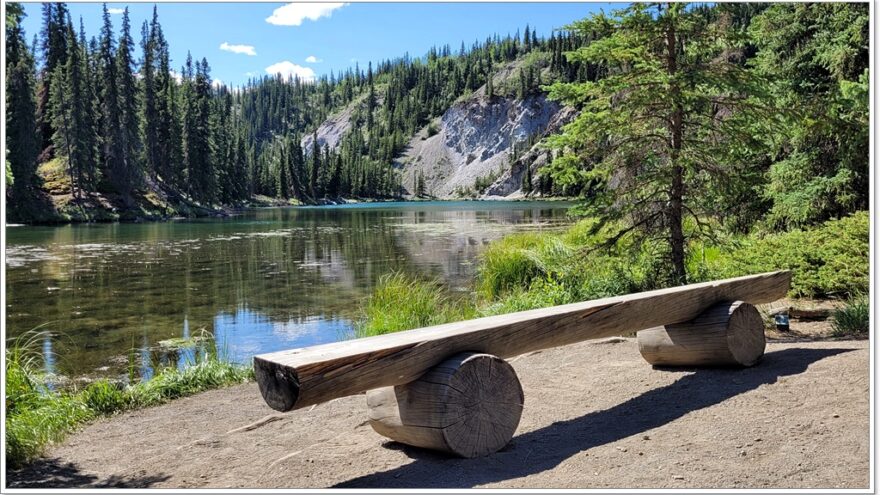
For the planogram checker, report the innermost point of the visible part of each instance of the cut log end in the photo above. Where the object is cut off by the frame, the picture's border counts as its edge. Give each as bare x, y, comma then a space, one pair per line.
279, 385
469, 405
726, 334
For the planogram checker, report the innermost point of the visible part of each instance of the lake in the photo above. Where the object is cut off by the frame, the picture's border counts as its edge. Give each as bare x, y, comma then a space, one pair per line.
110, 297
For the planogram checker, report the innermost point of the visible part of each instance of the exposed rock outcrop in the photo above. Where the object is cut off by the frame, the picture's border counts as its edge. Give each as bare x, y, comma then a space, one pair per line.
474, 141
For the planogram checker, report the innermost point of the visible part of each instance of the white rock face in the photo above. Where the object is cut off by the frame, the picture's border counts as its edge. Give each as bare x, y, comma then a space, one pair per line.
331, 131
475, 140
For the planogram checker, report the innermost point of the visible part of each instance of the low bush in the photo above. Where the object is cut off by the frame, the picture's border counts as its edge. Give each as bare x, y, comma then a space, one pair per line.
830, 260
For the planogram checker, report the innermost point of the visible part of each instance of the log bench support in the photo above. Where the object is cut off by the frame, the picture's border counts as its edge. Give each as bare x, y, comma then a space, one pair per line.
468, 405
726, 334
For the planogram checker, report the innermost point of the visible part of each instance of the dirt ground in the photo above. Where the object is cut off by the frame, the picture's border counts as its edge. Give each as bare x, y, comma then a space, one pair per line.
596, 416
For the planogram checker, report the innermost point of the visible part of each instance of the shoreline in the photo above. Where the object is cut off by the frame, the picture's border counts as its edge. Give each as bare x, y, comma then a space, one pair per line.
104, 216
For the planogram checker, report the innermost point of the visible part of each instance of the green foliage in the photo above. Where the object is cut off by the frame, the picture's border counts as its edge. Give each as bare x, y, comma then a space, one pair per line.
103, 397
852, 319
30, 430
529, 270
403, 303
22, 144
829, 260
483, 182
651, 128
817, 56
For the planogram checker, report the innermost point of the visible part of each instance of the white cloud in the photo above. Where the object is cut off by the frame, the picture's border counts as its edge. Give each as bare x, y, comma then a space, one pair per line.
216, 83
293, 14
289, 69
115, 11
176, 75
311, 59
243, 49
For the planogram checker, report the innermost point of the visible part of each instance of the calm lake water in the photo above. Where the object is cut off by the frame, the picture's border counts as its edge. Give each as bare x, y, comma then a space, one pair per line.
261, 281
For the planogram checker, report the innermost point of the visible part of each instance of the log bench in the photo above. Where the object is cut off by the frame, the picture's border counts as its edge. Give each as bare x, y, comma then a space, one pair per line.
448, 387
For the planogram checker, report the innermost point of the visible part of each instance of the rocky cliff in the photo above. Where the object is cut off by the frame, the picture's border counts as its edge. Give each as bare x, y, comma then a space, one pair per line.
468, 151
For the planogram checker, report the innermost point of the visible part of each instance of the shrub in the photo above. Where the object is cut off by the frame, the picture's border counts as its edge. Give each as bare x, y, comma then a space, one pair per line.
104, 397
852, 319
829, 260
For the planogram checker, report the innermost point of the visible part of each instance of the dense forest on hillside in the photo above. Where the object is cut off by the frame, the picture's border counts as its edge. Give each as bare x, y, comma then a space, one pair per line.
122, 125
748, 114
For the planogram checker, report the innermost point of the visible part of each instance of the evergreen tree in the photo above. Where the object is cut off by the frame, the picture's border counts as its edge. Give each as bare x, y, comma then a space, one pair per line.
650, 134
150, 121
817, 55
22, 141
127, 175
110, 155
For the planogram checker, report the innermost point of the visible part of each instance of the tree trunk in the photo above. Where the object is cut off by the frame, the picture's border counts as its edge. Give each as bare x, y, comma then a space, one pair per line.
676, 189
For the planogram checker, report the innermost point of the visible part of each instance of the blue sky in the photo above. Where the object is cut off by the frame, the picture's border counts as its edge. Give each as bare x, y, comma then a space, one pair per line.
257, 36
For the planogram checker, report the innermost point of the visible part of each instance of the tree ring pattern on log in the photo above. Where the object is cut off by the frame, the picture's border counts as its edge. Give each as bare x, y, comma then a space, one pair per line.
469, 405
487, 407
745, 335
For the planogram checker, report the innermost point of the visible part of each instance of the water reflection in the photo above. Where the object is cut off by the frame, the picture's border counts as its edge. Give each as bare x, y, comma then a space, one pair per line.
264, 280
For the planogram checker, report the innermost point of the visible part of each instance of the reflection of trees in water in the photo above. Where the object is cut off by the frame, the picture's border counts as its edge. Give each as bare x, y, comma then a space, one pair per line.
112, 287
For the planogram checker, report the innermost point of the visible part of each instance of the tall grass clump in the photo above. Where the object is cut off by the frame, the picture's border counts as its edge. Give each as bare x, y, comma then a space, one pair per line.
37, 416
853, 319
400, 303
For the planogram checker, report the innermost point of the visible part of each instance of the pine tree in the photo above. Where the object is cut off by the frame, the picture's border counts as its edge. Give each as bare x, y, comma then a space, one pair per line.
69, 102
490, 87
53, 45
316, 166
127, 175
110, 155
150, 121
22, 142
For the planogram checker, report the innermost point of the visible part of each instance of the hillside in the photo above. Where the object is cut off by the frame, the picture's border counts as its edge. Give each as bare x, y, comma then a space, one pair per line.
472, 151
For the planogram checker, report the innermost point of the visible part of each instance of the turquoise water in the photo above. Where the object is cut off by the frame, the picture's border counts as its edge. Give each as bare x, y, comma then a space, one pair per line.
263, 280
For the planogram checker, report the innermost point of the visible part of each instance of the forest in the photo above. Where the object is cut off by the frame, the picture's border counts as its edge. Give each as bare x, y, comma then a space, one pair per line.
124, 125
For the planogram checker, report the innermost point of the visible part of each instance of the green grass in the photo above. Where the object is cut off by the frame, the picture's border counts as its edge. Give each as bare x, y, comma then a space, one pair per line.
853, 319
37, 417
530, 270
402, 303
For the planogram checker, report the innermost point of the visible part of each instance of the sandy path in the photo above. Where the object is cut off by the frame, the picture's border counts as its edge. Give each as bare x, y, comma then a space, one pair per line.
596, 415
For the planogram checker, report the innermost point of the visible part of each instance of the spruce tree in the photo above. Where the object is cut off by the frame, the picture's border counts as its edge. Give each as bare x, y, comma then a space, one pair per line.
649, 135
22, 141
127, 175
110, 153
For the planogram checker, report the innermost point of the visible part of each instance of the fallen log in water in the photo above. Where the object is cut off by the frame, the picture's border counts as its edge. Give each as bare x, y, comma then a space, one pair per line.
301, 377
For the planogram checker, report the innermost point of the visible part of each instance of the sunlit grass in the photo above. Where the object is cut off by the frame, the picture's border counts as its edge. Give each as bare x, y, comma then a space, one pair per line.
402, 303
854, 319
37, 417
